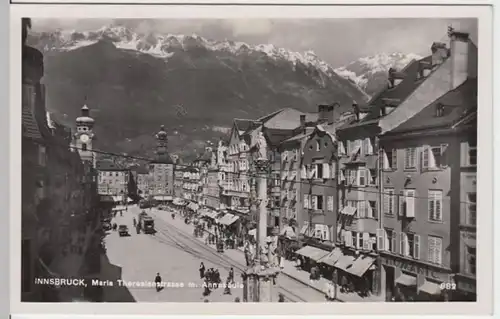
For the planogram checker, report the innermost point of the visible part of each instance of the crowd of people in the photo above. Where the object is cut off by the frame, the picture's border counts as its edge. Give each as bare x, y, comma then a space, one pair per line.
212, 280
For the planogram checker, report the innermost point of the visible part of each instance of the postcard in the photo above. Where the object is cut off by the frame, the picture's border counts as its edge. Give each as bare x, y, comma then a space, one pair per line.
184, 159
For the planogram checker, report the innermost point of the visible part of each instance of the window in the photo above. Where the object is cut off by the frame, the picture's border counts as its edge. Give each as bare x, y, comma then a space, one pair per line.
390, 240
471, 155
367, 146
435, 199
318, 172
353, 174
318, 145
434, 156
341, 149
391, 159
42, 156
362, 177
362, 210
26, 267
372, 209
471, 209
410, 245
317, 202
84, 146
329, 203
470, 260
410, 158
389, 201
434, 254
372, 177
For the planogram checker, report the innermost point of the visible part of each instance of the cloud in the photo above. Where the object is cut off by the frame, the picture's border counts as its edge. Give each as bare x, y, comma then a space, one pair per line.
249, 26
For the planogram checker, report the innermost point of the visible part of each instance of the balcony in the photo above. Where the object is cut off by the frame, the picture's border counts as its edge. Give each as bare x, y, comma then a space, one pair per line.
363, 225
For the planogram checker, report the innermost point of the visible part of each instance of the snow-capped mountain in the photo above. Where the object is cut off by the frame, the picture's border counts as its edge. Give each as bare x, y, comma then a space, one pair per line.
142, 81
370, 73
165, 46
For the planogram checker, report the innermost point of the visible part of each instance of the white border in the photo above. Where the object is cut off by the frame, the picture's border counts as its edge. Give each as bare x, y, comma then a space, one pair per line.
484, 283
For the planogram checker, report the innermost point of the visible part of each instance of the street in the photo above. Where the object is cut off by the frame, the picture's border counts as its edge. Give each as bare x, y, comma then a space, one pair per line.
176, 255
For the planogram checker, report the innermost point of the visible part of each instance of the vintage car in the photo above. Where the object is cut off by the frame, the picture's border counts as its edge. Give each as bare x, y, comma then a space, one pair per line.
123, 230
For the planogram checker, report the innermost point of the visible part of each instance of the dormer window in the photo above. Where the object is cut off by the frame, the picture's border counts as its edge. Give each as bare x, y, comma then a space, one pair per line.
439, 110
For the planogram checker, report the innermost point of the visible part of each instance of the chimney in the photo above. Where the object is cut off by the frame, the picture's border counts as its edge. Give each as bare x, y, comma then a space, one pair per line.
439, 53
302, 120
459, 47
355, 110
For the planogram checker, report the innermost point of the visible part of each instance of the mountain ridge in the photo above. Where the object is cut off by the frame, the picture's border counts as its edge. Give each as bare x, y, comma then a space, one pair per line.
132, 89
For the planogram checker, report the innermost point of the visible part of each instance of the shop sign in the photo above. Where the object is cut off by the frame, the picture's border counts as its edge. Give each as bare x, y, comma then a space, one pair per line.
415, 268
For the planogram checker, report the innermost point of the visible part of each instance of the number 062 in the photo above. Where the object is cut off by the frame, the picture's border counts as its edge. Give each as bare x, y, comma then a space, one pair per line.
448, 286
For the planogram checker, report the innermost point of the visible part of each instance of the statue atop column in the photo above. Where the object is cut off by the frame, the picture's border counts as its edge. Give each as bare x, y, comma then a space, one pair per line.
261, 146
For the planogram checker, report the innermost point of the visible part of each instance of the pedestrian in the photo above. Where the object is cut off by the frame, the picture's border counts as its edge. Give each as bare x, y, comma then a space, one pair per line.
227, 288
206, 287
231, 275
217, 277
202, 270
281, 297
158, 281
237, 299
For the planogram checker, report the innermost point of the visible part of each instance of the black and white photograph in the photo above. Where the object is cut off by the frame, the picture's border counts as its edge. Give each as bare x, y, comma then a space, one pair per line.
210, 160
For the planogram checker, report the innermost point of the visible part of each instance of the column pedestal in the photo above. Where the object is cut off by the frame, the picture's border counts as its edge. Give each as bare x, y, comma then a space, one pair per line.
260, 284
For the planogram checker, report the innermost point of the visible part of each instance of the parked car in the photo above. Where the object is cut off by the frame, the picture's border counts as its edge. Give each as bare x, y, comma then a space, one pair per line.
123, 230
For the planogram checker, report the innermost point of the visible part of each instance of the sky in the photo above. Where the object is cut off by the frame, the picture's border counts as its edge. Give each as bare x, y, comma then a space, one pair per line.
337, 41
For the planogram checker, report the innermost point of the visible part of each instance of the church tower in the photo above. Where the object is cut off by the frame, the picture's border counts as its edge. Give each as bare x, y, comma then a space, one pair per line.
84, 136
161, 169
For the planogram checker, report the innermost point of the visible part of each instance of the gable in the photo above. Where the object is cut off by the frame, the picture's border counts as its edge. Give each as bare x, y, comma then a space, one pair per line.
235, 137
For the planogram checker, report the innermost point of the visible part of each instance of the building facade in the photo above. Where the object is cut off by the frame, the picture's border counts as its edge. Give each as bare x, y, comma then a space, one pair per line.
161, 170
425, 245
191, 184
112, 179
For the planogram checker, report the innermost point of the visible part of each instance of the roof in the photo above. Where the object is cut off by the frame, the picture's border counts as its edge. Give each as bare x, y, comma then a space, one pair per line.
298, 137
457, 103
276, 136
288, 119
243, 125
107, 165
29, 124
398, 93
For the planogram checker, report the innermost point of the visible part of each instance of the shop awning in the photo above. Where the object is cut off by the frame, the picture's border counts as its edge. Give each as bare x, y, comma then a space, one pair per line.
430, 287
228, 219
361, 265
344, 262
406, 280
332, 257
348, 210
117, 199
312, 252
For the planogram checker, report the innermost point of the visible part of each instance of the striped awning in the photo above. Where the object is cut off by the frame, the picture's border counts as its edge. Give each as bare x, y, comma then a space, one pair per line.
312, 252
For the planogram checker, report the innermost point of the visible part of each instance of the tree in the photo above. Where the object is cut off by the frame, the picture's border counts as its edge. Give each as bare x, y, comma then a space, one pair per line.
26, 25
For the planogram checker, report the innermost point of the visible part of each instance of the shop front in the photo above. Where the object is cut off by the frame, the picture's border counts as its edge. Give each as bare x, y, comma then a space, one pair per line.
411, 280
356, 273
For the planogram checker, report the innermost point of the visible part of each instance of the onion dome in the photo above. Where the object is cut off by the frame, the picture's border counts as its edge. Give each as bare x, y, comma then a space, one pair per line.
162, 134
85, 118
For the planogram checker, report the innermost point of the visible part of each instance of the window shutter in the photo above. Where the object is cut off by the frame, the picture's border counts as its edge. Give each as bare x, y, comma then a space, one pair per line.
370, 146
362, 209
303, 172
431, 249
386, 202
432, 159
314, 202
402, 243
444, 155
366, 241
407, 245
333, 170
410, 203
438, 203
464, 153
342, 175
386, 161
438, 251
349, 238
326, 170
393, 239
424, 158
349, 146
416, 246
369, 210
305, 201
401, 205
380, 239
394, 159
